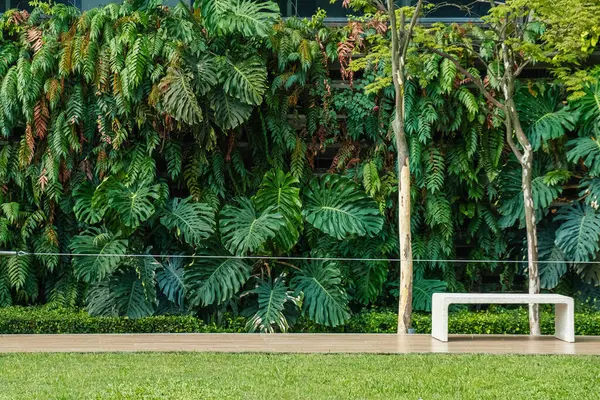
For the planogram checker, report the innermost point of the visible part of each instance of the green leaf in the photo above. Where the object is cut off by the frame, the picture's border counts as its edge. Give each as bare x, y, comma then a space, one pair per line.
272, 299
134, 204
244, 230
105, 254
245, 80
194, 221
544, 116
325, 300
579, 234
588, 150
246, 17
423, 289
215, 280
229, 112
280, 191
550, 272
336, 206
369, 277
170, 280
179, 98
134, 293
84, 209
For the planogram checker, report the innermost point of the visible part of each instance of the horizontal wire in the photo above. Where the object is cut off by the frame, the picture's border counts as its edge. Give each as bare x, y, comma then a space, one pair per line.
282, 258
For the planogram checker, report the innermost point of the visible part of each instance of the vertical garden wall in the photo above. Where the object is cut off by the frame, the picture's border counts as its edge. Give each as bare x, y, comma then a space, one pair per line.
163, 145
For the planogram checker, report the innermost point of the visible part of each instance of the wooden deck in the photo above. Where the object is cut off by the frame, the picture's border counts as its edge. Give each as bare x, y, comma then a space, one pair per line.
298, 343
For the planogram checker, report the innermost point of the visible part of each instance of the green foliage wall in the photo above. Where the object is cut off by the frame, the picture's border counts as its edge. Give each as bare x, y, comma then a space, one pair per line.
196, 140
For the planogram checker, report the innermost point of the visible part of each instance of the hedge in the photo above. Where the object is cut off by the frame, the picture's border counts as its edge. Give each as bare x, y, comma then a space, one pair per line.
25, 320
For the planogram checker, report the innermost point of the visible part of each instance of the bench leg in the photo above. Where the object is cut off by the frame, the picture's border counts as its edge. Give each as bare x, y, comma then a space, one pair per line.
564, 322
439, 320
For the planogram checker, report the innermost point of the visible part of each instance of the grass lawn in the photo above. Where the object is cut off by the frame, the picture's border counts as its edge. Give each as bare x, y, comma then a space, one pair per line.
254, 376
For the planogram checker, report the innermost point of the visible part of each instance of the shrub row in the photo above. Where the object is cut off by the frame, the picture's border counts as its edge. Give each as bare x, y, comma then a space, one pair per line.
25, 320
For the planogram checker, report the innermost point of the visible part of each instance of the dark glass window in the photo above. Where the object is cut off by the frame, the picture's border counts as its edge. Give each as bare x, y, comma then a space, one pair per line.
450, 10
24, 4
307, 8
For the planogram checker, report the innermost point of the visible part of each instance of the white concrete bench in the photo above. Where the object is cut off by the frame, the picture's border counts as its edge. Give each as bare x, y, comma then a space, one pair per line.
564, 324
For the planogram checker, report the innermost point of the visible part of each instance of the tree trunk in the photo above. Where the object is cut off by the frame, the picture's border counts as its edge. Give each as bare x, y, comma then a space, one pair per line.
532, 250
405, 244
406, 261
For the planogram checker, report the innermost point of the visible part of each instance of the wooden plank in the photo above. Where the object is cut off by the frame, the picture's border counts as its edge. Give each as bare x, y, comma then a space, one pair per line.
298, 343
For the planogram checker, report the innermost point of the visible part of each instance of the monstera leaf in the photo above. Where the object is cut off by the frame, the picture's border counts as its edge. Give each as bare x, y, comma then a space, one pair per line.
215, 280
555, 265
423, 290
243, 229
544, 116
179, 98
134, 291
586, 149
512, 207
338, 207
588, 107
280, 190
84, 209
170, 280
579, 234
250, 18
245, 80
229, 113
133, 204
272, 299
98, 253
325, 300
194, 221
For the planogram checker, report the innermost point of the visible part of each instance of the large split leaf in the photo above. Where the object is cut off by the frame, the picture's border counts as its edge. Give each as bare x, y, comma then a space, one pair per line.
134, 204
579, 234
280, 190
243, 229
272, 299
325, 300
194, 221
215, 280
98, 253
338, 207
246, 17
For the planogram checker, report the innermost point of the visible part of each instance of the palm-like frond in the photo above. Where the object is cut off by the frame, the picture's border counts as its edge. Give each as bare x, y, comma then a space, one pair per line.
272, 299
84, 208
280, 190
214, 280
243, 229
338, 207
98, 254
194, 221
325, 300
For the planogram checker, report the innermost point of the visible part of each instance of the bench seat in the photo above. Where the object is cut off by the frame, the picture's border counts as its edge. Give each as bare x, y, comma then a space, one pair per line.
564, 320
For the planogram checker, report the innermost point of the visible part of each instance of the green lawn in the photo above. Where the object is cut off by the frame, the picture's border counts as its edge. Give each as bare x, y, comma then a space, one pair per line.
252, 376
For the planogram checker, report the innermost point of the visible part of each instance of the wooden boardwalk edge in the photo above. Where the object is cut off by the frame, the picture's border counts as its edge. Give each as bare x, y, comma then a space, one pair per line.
297, 343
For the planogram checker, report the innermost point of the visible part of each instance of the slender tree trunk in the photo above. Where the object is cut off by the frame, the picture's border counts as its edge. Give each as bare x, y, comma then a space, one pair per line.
406, 262
532, 251
405, 243
526, 160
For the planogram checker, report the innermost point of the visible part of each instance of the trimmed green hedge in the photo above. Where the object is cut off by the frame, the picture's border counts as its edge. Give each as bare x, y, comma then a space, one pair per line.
15, 320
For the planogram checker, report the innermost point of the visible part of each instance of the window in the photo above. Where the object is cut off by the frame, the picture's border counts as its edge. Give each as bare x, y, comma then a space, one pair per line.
89, 4
450, 10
